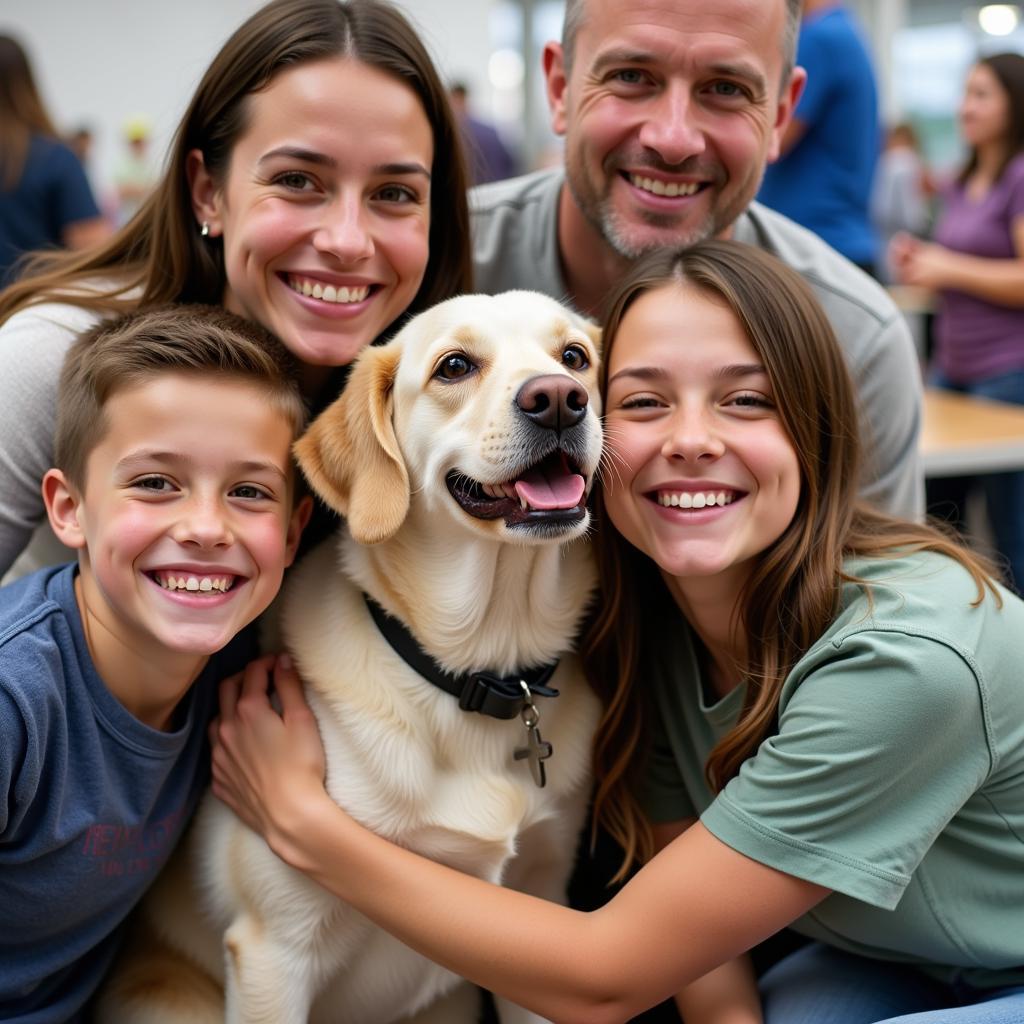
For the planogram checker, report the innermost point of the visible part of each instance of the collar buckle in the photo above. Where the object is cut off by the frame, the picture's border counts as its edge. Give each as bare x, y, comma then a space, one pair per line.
499, 696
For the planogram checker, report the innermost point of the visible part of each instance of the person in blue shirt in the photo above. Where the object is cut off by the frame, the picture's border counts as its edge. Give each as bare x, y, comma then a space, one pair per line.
829, 151
174, 482
45, 197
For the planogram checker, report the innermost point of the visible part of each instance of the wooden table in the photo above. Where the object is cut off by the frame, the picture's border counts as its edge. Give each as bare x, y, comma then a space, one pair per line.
962, 435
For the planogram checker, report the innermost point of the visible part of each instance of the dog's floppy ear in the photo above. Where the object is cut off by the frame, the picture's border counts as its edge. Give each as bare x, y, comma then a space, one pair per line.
350, 454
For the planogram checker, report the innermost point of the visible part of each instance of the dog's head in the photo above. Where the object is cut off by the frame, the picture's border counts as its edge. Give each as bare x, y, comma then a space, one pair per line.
484, 408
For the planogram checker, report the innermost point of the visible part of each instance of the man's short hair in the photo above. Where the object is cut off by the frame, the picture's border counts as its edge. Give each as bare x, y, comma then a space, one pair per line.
207, 341
574, 19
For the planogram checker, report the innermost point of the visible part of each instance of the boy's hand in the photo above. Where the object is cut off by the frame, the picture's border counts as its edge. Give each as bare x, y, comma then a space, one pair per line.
268, 767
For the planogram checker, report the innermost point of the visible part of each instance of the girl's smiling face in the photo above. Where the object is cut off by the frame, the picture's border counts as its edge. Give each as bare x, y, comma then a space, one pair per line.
702, 476
325, 209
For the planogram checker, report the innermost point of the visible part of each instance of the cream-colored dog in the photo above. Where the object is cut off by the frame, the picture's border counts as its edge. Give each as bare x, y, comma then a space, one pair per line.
461, 455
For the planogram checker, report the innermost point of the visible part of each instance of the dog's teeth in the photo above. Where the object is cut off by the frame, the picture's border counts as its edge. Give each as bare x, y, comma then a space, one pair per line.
525, 504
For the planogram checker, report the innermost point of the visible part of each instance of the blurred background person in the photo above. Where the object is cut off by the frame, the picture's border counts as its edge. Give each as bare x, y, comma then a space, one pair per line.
902, 191
45, 198
81, 139
823, 177
976, 267
487, 155
134, 177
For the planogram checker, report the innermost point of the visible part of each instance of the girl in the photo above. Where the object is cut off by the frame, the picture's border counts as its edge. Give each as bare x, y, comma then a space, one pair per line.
976, 265
813, 711
315, 185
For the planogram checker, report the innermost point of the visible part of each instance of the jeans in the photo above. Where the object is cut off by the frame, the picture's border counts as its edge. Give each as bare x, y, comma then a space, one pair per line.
1004, 492
822, 985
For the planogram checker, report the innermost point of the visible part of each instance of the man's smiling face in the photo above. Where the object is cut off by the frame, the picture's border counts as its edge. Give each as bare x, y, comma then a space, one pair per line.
670, 110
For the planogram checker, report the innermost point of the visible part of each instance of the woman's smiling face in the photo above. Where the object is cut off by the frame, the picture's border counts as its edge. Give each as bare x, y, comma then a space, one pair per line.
325, 209
702, 476
985, 109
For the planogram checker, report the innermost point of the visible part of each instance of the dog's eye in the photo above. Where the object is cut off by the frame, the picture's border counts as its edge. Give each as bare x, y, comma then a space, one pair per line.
575, 357
453, 367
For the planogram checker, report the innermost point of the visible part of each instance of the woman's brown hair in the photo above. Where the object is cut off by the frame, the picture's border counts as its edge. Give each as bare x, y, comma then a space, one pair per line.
792, 594
22, 111
159, 256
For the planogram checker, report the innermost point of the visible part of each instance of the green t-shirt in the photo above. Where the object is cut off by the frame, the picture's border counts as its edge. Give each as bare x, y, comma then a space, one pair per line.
896, 775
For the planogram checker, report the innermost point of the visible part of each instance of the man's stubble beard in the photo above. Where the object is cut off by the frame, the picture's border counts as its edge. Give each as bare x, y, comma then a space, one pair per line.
600, 213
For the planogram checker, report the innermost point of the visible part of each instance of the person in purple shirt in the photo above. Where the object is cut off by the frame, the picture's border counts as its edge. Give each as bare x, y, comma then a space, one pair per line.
976, 266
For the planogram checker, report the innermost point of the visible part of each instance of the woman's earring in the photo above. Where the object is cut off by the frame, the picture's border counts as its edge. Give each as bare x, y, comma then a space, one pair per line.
205, 229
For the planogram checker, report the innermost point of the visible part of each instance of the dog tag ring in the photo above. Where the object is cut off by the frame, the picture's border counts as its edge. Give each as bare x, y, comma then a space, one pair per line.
537, 749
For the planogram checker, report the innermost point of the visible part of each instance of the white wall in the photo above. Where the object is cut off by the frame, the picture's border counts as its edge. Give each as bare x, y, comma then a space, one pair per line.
103, 61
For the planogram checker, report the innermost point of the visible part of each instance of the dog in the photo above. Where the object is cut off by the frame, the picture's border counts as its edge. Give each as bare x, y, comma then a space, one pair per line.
460, 455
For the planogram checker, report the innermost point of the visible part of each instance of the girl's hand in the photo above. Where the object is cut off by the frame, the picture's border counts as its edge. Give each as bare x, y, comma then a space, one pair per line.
268, 767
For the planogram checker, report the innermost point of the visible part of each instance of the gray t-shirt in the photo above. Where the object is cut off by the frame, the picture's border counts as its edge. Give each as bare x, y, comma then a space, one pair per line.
33, 344
515, 227
893, 776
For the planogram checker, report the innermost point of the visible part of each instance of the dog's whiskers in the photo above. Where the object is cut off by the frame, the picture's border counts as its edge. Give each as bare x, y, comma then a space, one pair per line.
612, 461
608, 473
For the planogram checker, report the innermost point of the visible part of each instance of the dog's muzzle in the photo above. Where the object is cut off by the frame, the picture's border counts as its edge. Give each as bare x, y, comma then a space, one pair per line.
550, 489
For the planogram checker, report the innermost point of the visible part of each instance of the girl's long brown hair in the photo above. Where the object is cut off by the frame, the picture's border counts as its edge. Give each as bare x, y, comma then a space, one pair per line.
793, 591
159, 256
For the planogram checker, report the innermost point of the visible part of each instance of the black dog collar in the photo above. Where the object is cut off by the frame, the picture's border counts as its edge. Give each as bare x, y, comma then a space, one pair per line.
497, 696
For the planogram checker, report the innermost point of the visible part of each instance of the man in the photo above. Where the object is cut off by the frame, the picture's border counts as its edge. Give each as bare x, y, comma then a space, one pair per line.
830, 148
670, 110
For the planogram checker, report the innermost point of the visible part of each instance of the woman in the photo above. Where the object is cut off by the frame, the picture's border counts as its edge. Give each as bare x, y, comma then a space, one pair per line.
834, 693
315, 185
976, 265
45, 198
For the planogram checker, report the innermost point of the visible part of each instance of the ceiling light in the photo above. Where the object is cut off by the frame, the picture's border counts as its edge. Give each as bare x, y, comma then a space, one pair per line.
999, 19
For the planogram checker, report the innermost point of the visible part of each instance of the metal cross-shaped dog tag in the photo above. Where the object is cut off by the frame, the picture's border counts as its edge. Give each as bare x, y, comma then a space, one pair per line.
537, 749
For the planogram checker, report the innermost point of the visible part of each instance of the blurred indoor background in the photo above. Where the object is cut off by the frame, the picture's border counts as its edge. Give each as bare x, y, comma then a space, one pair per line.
111, 67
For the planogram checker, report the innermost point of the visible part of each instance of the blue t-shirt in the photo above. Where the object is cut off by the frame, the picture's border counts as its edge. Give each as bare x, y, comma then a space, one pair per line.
824, 181
92, 801
51, 193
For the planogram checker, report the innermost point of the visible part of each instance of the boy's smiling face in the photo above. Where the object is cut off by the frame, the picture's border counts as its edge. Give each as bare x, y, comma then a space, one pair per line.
186, 522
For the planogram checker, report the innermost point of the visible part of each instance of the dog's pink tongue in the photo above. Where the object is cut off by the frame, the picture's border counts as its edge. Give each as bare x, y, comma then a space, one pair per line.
539, 490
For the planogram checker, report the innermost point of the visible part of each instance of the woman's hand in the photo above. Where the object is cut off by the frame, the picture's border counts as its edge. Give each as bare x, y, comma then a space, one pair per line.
268, 767
921, 264
931, 266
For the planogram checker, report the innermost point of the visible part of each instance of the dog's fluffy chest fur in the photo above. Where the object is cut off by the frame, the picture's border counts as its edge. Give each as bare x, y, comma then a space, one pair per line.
403, 758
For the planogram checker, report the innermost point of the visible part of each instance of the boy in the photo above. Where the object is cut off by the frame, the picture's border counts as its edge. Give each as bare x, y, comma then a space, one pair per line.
174, 482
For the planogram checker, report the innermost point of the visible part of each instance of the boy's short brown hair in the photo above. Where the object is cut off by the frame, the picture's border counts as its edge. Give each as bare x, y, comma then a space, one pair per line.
123, 353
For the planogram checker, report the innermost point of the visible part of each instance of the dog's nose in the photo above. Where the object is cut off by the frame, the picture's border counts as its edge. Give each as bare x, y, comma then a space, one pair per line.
554, 401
